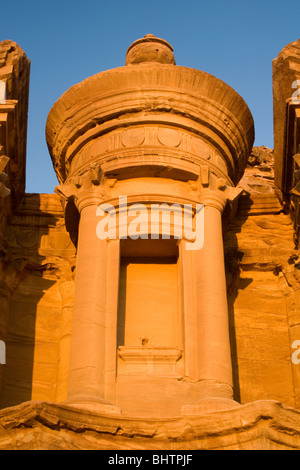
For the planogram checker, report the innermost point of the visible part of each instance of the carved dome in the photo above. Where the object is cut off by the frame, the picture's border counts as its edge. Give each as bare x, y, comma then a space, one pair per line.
152, 114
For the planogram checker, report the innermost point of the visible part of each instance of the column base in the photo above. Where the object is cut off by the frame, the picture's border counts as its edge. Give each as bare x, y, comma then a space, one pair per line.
95, 405
208, 405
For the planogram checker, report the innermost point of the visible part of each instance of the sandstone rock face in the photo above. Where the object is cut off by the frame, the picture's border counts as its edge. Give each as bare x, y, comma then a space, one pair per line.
38, 341
259, 248
14, 80
98, 355
261, 425
258, 177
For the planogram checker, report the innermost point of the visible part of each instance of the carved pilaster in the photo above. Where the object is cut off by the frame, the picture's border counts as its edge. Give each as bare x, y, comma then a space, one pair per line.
208, 356
66, 288
87, 382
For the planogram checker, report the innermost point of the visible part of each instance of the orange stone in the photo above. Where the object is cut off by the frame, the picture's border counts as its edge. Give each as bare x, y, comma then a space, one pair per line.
113, 318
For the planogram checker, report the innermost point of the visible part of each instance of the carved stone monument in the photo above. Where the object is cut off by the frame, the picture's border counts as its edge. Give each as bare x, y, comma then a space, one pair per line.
151, 301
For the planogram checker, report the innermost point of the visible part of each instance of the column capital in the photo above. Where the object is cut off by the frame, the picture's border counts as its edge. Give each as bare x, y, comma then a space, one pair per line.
89, 197
81, 196
88, 188
213, 198
218, 197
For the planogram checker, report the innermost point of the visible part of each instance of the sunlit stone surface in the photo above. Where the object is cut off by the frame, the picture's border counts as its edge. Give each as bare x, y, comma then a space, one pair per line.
120, 343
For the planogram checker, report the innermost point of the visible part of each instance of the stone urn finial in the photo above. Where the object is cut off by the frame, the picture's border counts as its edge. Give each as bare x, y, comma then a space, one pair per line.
150, 49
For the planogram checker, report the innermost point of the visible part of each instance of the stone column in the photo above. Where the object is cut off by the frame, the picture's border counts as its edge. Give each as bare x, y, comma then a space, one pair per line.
207, 343
89, 332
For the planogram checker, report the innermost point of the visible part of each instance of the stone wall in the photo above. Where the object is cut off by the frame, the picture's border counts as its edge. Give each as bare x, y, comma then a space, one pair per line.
39, 327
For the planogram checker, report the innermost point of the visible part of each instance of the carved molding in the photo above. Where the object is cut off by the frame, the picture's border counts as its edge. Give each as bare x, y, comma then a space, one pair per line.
144, 360
114, 102
83, 189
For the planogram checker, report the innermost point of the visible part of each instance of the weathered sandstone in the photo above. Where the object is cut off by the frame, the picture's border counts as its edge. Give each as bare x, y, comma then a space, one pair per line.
145, 344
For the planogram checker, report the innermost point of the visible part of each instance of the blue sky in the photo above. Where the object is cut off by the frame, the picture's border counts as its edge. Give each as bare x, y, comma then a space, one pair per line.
70, 40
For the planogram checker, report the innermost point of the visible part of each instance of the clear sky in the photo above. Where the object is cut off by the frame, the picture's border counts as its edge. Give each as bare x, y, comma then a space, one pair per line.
70, 40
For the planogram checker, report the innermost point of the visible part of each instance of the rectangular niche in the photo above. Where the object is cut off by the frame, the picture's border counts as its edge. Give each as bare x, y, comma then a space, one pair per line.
149, 315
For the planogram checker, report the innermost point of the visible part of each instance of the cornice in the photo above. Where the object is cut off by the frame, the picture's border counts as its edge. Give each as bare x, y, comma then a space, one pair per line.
161, 94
